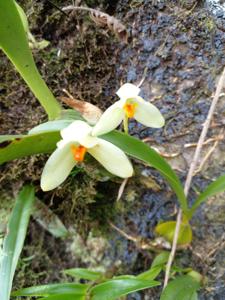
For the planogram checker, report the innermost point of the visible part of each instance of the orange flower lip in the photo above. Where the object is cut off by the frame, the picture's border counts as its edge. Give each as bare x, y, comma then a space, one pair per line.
78, 152
129, 109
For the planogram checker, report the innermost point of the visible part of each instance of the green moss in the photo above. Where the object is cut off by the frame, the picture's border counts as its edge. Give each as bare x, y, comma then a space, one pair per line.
6, 206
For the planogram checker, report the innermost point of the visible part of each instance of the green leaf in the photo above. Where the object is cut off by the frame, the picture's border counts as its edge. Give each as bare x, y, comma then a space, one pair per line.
14, 148
66, 118
23, 18
194, 296
167, 230
124, 277
70, 114
84, 274
14, 43
195, 275
56, 125
181, 288
151, 274
48, 220
160, 259
156, 267
113, 289
140, 150
39, 45
64, 297
4, 138
13, 242
53, 289
214, 188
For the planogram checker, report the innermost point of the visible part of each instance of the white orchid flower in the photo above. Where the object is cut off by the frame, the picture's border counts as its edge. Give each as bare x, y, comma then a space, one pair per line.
130, 105
76, 141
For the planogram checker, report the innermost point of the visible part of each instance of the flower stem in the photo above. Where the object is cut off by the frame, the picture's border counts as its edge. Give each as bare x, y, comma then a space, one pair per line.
125, 124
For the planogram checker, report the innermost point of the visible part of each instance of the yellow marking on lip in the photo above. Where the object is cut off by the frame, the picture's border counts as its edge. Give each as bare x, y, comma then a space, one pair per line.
78, 152
130, 109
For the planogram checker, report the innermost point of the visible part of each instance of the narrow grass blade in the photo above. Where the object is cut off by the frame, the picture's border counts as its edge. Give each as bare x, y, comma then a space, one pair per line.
82, 273
14, 239
215, 187
53, 289
115, 288
48, 220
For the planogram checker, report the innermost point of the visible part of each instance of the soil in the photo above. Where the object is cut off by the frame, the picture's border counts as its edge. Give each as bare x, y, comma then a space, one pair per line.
177, 50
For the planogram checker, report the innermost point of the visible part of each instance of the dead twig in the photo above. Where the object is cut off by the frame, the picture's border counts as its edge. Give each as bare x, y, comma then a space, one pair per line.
156, 245
57, 7
143, 77
216, 247
123, 233
162, 153
166, 154
210, 140
121, 189
215, 139
208, 154
191, 172
103, 20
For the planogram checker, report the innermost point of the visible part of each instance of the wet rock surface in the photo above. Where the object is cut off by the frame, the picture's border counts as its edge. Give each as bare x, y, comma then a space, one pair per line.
178, 50
217, 9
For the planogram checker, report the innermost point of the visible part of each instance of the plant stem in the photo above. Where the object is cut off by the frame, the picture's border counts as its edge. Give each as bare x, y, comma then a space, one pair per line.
125, 125
191, 172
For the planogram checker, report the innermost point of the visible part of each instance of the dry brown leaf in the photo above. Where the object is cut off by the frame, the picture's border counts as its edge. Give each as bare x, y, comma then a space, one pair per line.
103, 20
89, 112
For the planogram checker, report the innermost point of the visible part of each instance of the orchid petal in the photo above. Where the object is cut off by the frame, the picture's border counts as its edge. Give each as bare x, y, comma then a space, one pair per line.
112, 158
148, 114
109, 120
128, 90
78, 131
89, 141
57, 167
61, 144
